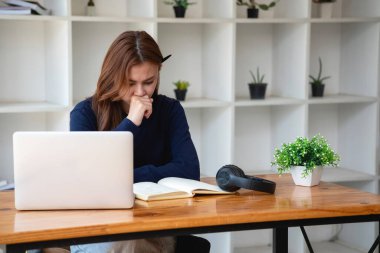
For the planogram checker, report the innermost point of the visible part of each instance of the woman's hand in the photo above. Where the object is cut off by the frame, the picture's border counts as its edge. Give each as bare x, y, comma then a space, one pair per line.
139, 108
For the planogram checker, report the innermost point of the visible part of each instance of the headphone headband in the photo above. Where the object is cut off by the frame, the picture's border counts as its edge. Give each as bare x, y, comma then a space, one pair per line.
232, 178
254, 183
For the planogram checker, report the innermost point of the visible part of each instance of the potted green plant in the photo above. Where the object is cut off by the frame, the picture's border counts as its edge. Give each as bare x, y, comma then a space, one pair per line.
257, 87
181, 89
179, 7
253, 7
317, 85
305, 159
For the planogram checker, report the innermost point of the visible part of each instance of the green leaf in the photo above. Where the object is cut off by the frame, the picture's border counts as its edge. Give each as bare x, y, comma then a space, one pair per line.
181, 85
262, 79
319, 79
179, 3
253, 76
263, 7
324, 78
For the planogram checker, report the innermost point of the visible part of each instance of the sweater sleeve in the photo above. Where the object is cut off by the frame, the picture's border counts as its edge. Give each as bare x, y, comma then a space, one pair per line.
82, 118
184, 160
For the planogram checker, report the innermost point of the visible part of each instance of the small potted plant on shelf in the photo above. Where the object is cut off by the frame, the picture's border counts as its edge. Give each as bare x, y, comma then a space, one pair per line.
305, 159
253, 7
179, 7
257, 87
180, 91
317, 85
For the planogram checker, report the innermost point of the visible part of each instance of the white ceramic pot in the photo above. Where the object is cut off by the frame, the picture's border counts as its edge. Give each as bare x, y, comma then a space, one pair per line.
312, 179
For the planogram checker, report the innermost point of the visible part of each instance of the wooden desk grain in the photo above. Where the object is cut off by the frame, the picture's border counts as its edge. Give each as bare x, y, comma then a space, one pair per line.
290, 202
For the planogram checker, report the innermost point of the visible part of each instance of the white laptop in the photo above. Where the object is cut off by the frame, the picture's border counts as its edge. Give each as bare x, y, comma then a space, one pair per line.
73, 170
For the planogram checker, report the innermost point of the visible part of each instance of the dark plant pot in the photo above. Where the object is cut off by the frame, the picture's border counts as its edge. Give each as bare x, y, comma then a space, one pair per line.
180, 94
252, 12
323, 1
179, 11
317, 90
257, 90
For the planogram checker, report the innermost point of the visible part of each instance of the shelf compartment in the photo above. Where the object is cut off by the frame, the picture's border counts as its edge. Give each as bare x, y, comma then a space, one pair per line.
197, 58
193, 20
258, 249
341, 99
111, 19
350, 129
203, 103
58, 8
210, 130
344, 20
336, 247
252, 241
339, 174
33, 18
116, 8
89, 50
30, 107
270, 20
269, 47
259, 130
351, 9
268, 101
202, 9
283, 9
340, 46
12, 122
35, 66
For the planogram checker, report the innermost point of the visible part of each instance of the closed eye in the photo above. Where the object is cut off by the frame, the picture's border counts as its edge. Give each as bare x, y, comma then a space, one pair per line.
148, 81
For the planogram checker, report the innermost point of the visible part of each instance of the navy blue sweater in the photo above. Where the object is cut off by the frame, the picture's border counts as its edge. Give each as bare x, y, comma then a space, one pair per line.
162, 144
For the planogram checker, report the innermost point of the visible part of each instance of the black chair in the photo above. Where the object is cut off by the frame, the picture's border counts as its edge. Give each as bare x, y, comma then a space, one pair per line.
191, 244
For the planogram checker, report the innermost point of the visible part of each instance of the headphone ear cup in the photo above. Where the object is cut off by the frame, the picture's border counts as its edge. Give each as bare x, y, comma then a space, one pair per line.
223, 177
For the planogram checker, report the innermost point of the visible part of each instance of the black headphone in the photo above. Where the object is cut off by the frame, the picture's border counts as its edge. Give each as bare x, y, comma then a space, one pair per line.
232, 178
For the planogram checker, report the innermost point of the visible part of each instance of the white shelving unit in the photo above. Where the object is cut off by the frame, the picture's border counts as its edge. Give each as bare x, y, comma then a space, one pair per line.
49, 63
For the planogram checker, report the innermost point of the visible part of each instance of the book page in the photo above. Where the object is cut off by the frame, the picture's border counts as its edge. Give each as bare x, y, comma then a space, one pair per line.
191, 186
150, 191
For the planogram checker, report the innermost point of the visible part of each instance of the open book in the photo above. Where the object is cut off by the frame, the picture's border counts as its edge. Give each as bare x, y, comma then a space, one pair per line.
174, 188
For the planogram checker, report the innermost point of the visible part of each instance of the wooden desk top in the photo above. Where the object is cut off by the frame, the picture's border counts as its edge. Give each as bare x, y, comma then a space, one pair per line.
290, 202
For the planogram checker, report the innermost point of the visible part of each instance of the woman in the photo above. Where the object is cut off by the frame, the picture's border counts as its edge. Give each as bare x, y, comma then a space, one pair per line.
126, 99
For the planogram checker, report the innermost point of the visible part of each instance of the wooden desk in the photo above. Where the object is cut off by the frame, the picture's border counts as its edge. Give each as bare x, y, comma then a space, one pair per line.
290, 206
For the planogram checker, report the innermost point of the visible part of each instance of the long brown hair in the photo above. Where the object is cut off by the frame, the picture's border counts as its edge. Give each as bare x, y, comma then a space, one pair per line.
129, 49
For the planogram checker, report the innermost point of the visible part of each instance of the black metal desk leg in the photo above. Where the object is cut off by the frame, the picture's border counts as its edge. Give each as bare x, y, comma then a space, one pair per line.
306, 239
280, 240
374, 245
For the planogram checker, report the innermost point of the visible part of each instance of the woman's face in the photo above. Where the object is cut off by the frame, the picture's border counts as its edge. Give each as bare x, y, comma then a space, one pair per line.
142, 81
